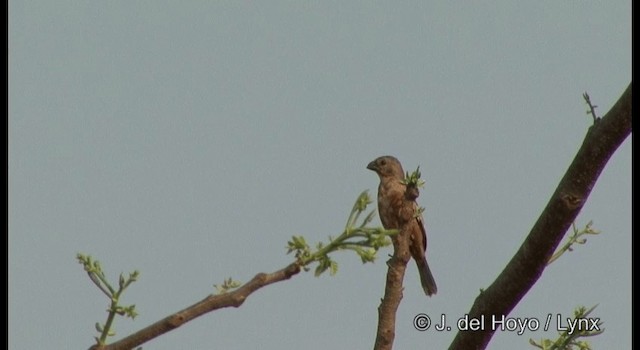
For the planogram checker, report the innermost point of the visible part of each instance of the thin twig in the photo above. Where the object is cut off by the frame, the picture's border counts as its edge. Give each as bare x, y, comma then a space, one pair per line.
592, 108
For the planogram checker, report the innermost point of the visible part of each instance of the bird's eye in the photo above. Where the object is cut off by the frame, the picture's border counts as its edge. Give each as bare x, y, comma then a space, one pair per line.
383, 162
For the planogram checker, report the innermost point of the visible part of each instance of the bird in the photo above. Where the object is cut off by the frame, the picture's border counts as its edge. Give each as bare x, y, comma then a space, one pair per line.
398, 209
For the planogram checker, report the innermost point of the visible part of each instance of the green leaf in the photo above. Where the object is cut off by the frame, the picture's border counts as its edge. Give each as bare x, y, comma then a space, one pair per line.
333, 268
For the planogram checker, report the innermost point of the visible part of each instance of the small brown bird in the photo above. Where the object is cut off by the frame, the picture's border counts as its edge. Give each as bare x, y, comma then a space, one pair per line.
397, 209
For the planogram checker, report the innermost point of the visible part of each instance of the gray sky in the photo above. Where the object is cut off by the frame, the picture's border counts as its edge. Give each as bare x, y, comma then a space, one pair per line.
191, 139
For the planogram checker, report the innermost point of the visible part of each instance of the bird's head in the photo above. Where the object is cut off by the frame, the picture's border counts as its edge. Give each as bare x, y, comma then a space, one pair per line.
387, 166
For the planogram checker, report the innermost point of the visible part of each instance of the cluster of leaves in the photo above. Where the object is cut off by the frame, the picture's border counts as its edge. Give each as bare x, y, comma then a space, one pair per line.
574, 238
568, 340
364, 241
97, 276
413, 182
413, 179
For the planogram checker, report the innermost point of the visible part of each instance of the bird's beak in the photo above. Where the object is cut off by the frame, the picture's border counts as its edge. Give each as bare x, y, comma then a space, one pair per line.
372, 166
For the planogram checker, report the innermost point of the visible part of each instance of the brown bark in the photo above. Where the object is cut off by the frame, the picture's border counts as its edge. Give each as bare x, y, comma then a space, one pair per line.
392, 292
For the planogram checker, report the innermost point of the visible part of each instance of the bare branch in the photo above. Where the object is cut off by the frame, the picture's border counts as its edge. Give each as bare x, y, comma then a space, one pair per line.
392, 292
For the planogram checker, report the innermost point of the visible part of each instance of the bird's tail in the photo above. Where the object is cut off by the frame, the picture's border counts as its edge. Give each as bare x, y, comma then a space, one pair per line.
426, 278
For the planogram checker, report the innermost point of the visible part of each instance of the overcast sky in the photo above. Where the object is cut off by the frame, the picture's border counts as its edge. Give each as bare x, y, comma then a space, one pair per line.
190, 140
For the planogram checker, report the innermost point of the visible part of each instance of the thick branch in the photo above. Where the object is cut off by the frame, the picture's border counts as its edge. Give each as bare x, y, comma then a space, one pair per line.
208, 304
527, 265
392, 292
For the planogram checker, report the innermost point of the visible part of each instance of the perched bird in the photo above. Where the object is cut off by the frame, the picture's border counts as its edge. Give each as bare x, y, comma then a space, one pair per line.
398, 210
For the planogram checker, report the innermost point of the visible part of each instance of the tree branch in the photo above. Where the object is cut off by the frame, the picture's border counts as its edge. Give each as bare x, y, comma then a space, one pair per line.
392, 292
208, 304
527, 265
